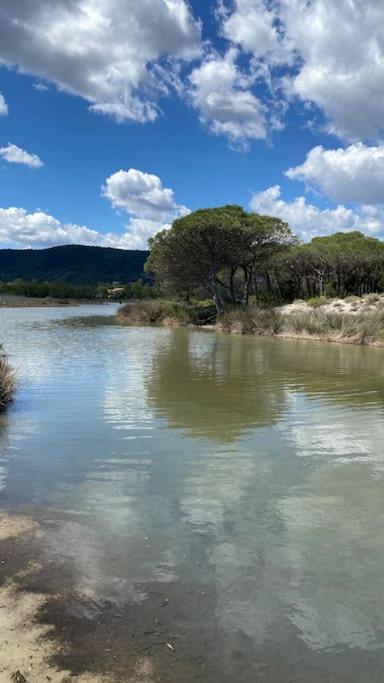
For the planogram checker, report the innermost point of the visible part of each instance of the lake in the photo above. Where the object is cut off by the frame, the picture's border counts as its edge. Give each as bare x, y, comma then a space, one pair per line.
220, 494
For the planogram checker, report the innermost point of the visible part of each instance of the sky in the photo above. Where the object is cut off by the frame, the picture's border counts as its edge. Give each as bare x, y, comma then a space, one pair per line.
118, 116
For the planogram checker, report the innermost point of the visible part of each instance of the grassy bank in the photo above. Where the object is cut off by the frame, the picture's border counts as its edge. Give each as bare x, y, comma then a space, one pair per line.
354, 320
7, 381
167, 312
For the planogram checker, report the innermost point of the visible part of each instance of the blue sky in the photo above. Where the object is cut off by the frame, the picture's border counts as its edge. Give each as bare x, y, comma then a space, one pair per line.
118, 117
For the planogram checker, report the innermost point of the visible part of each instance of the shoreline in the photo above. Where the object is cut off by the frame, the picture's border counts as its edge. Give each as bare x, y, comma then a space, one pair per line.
298, 336
15, 301
355, 321
38, 641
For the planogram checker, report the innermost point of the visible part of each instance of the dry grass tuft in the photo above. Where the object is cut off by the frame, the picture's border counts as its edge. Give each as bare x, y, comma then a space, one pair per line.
7, 381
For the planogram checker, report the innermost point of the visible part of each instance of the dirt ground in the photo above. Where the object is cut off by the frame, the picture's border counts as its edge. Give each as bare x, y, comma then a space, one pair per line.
27, 646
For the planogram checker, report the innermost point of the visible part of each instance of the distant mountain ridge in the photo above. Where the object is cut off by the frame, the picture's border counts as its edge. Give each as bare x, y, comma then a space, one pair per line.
72, 263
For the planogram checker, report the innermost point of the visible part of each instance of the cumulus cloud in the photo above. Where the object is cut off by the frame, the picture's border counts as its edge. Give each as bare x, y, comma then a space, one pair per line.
354, 174
141, 194
138, 232
253, 26
22, 229
150, 207
308, 221
3, 106
220, 92
15, 155
342, 47
334, 55
103, 50
18, 228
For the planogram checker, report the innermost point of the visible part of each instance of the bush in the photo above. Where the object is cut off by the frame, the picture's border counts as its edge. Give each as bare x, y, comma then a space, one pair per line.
251, 320
317, 301
157, 311
7, 381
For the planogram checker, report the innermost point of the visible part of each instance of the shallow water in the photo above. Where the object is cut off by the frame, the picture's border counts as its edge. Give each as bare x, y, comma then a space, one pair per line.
232, 487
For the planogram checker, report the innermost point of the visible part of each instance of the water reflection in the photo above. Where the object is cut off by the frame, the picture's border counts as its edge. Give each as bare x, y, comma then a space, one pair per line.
210, 386
241, 477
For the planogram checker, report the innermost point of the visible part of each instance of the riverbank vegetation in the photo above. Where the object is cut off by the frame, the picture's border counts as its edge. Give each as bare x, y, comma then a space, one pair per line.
238, 258
325, 322
170, 312
252, 268
65, 291
357, 321
7, 381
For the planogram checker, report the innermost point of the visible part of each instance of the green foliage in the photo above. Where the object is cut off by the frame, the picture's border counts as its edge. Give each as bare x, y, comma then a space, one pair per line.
54, 290
74, 264
336, 265
208, 249
141, 290
173, 311
317, 301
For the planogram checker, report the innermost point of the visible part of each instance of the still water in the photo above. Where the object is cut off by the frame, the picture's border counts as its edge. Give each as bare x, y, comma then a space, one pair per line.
231, 488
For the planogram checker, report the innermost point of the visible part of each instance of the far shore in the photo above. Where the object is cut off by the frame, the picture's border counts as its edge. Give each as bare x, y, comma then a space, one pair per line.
354, 320
15, 301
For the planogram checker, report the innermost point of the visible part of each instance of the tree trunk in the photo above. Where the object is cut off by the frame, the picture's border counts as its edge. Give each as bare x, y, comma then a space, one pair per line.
308, 285
247, 285
216, 294
257, 291
232, 274
269, 284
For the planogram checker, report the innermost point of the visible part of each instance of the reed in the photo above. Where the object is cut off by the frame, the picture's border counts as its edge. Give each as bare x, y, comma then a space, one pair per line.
7, 381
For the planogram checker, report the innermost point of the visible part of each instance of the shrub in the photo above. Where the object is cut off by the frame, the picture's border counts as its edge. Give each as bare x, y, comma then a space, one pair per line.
7, 381
157, 311
251, 320
317, 301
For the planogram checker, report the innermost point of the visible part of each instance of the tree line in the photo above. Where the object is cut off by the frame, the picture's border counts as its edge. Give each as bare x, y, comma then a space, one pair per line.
233, 256
140, 289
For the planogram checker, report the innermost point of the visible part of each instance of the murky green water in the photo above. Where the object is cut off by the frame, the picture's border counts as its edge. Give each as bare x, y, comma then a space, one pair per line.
232, 487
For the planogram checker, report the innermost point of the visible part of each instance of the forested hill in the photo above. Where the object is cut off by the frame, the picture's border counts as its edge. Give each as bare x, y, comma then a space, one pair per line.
72, 263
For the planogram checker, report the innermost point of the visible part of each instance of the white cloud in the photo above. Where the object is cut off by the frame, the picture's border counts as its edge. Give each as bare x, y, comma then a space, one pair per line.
308, 221
150, 206
142, 195
37, 229
40, 87
342, 47
354, 174
15, 155
334, 55
138, 232
220, 92
252, 25
103, 50
3, 106
18, 228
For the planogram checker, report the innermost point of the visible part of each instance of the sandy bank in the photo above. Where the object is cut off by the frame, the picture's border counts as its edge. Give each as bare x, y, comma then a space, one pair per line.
27, 647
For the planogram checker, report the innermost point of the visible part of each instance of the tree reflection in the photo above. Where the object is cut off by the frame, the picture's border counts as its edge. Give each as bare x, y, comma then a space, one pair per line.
214, 387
